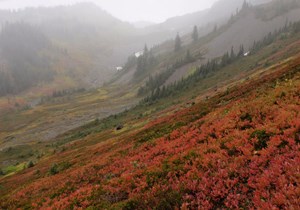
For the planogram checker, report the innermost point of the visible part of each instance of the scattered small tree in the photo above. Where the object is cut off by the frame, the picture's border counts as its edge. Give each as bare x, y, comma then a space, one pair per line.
232, 54
177, 43
1, 172
215, 29
30, 164
245, 5
146, 51
54, 169
241, 52
195, 34
188, 57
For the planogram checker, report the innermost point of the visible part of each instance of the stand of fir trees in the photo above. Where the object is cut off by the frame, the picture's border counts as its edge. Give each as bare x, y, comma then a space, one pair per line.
145, 62
159, 79
215, 65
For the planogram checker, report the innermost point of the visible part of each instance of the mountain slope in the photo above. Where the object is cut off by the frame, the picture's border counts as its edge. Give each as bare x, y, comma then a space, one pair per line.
23, 123
236, 148
261, 21
206, 19
256, 29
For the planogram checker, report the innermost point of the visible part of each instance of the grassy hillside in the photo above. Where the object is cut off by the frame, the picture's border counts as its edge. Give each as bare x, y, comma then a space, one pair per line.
231, 146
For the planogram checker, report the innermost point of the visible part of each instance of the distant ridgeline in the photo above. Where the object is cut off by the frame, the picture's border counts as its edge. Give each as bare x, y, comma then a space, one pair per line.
155, 84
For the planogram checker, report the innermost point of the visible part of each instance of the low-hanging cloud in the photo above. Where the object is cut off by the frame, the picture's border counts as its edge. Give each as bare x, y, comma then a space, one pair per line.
128, 10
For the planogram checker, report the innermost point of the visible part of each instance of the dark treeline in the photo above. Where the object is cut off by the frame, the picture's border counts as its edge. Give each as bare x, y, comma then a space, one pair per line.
64, 94
215, 65
145, 62
21, 63
271, 37
159, 79
131, 62
202, 72
61, 93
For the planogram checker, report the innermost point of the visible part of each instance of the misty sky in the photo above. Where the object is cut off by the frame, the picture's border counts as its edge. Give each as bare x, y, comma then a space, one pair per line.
128, 10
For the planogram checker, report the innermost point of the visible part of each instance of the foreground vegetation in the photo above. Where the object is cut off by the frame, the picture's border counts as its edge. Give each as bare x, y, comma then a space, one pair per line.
225, 136
234, 147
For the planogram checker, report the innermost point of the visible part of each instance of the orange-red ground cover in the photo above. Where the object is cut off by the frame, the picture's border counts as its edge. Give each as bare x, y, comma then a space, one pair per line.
238, 150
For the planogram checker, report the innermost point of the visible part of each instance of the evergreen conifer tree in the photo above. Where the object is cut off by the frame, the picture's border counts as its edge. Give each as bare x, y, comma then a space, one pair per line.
195, 34
177, 43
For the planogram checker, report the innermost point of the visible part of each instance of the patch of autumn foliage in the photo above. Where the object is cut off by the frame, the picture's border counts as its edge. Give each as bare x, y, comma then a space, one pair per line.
238, 150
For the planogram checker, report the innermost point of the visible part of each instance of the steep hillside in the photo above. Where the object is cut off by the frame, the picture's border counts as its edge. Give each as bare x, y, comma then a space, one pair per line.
38, 122
261, 21
257, 28
234, 146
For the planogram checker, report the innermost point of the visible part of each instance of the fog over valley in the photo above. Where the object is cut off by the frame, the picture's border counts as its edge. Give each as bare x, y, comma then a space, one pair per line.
129, 10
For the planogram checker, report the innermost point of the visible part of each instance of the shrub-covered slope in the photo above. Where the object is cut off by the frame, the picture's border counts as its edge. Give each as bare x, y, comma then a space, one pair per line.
238, 149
